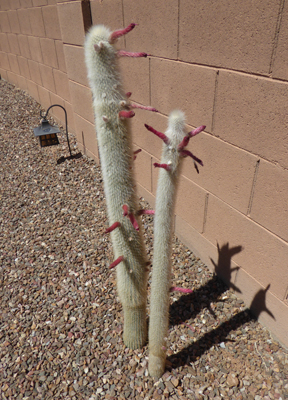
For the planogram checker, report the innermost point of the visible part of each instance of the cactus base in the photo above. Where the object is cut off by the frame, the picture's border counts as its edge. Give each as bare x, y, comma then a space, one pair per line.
156, 365
135, 327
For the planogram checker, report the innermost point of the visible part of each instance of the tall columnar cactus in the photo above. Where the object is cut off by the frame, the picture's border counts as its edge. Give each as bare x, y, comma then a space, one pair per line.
112, 112
175, 140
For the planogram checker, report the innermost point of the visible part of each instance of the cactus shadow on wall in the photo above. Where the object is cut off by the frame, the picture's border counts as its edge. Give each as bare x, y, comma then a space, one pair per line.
188, 306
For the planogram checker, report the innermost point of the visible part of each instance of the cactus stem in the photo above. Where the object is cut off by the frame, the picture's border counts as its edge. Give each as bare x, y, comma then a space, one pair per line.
159, 134
105, 118
116, 262
112, 227
126, 114
185, 153
99, 46
196, 131
141, 212
121, 32
135, 153
123, 53
165, 166
147, 108
179, 289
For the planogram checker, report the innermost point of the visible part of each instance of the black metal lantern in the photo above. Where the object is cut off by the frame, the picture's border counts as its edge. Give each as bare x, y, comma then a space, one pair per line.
47, 133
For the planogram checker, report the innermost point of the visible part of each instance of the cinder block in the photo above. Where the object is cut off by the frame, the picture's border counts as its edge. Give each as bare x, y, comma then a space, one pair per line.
3, 74
86, 136
108, 13
57, 112
47, 77
5, 5
264, 255
71, 22
4, 62
76, 68
157, 32
142, 137
26, 3
35, 72
24, 46
142, 169
37, 22
81, 100
49, 52
251, 112
228, 34
196, 242
279, 66
61, 84
39, 3
13, 43
32, 89
24, 20
60, 55
176, 85
228, 171
4, 22
4, 43
51, 22
44, 97
24, 68
270, 206
14, 4
14, 21
12, 78
13, 62
190, 203
35, 49
135, 74
22, 82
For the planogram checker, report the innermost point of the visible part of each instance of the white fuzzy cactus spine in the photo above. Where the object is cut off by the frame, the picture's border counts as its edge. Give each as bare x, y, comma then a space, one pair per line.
175, 140
112, 110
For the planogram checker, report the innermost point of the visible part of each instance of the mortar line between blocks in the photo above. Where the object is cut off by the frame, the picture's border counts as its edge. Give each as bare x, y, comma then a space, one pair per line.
214, 101
205, 212
276, 36
253, 187
178, 31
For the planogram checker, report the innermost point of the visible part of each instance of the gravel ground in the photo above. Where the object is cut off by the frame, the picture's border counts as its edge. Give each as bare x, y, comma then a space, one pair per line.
61, 320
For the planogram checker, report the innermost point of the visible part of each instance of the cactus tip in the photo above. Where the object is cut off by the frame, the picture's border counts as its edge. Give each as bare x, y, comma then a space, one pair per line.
126, 114
159, 134
124, 53
116, 34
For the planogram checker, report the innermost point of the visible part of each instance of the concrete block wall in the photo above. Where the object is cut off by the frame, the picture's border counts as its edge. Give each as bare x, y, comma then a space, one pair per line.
225, 65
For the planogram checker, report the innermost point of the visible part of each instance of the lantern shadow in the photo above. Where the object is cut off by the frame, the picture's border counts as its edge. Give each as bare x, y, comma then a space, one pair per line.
74, 156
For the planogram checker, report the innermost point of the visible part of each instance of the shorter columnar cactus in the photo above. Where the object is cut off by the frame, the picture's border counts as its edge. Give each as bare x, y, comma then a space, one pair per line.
175, 140
112, 110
